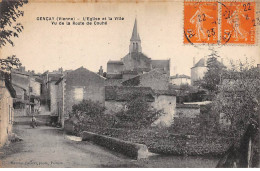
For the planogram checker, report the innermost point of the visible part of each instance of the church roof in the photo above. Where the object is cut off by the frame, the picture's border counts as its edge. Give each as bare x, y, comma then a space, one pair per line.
135, 34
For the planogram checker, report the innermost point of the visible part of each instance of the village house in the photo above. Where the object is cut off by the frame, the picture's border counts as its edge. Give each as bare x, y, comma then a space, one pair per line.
75, 86
180, 79
7, 93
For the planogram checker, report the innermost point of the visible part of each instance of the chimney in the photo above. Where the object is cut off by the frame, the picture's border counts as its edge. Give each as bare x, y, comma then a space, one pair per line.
194, 61
100, 71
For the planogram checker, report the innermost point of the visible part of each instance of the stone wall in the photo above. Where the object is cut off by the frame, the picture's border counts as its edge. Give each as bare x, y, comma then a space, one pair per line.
187, 110
167, 104
6, 113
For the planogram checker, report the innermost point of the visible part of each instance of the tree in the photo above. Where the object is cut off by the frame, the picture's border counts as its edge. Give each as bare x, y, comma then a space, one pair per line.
238, 96
138, 112
212, 77
10, 62
9, 13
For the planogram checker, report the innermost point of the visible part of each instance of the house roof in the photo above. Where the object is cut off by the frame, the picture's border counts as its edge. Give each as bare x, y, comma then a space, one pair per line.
165, 92
116, 93
136, 80
200, 63
161, 64
115, 62
81, 68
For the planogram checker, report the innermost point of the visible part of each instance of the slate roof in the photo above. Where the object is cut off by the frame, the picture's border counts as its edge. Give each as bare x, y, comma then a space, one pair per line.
116, 93
135, 34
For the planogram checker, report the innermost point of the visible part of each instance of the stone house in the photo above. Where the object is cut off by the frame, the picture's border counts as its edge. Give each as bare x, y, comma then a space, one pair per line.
7, 93
117, 96
75, 86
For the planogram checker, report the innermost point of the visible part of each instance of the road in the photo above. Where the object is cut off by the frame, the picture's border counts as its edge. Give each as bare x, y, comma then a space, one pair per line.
50, 147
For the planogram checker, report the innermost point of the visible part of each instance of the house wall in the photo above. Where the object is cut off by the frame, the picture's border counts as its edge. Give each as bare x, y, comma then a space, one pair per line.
180, 81
113, 68
197, 73
187, 112
168, 105
6, 114
36, 87
91, 84
53, 98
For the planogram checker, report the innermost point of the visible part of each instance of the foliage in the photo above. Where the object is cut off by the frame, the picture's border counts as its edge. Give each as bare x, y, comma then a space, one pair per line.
9, 63
9, 13
239, 96
89, 114
138, 112
212, 77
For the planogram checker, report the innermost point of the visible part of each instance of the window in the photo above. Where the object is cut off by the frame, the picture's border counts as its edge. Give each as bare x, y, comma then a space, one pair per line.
78, 94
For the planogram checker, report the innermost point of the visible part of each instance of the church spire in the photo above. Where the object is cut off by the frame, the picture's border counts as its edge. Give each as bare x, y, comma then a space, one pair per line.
135, 34
135, 41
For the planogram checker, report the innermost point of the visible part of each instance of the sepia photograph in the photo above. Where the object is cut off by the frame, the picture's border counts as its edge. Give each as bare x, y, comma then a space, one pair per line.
129, 84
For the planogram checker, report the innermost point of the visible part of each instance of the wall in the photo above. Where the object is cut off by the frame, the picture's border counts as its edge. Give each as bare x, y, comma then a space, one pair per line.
179, 81
197, 73
6, 114
36, 87
187, 112
114, 68
168, 105
53, 97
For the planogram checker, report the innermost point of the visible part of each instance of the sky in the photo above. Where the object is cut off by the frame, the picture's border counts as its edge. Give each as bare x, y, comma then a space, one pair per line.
43, 46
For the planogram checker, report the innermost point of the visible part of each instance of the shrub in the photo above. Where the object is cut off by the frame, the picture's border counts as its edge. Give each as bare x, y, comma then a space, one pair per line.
139, 113
90, 114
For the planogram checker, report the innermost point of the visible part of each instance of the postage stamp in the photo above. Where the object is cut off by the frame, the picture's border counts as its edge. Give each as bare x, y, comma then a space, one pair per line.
200, 22
238, 23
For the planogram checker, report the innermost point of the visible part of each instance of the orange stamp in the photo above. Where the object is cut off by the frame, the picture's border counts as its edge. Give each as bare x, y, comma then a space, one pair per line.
238, 23
200, 22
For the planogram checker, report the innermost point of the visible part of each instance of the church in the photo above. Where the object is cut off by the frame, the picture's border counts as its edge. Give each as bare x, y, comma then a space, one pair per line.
135, 62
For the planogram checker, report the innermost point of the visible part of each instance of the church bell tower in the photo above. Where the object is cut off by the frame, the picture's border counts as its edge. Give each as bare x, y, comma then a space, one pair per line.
135, 41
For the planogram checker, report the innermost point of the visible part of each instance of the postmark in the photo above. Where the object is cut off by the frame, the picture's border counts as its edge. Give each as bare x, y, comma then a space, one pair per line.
200, 22
238, 23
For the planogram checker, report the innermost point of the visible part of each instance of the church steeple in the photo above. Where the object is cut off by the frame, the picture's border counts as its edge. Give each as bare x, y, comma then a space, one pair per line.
135, 41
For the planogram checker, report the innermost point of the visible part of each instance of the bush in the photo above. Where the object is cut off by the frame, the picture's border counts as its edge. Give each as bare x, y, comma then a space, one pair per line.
90, 114
139, 113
